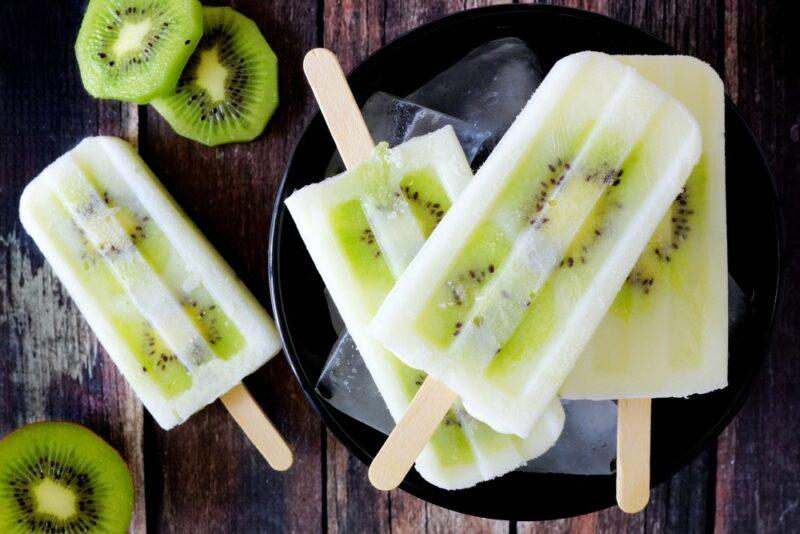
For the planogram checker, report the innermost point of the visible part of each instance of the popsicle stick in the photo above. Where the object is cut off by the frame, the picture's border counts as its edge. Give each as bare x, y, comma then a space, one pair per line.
338, 106
633, 454
257, 426
352, 138
409, 437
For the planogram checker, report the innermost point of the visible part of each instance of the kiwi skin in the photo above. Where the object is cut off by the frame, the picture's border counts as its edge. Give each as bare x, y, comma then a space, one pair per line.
71, 457
152, 71
250, 85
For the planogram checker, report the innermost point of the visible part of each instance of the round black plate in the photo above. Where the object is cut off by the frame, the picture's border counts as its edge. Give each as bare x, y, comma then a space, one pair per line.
681, 427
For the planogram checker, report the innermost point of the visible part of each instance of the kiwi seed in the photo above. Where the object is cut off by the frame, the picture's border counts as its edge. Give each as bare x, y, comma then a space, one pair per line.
229, 87
60, 477
133, 50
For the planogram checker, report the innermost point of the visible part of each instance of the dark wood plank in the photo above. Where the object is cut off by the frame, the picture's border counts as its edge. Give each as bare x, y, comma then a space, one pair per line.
676, 506
758, 487
411, 515
205, 476
52, 367
681, 504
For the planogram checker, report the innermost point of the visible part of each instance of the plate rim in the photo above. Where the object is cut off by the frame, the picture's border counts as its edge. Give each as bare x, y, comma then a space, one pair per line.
324, 410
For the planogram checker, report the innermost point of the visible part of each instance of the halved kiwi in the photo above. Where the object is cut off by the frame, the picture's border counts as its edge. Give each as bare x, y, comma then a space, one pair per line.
229, 88
60, 477
135, 50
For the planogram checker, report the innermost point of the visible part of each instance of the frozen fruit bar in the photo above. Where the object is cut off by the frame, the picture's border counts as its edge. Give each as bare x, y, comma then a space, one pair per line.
666, 334
505, 294
170, 312
362, 228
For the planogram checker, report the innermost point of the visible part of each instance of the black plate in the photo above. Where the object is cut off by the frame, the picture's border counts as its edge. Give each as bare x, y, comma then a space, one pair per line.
681, 427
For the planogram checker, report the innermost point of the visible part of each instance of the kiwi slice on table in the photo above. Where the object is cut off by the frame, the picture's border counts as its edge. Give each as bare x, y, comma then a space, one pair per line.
60, 477
135, 50
229, 88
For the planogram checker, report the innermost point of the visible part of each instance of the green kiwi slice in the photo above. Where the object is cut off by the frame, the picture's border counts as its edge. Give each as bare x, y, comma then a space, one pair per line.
60, 477
135, 50
229, 88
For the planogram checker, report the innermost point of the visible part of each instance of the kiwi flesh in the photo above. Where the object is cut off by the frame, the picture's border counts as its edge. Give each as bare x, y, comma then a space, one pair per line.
229, 88
215, 326
360, 246
135, 50
426, 197
157, 361
428, 202
58, 477
665, 243
489, 247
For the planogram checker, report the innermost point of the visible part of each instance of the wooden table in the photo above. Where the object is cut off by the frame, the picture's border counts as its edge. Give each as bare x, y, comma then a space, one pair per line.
204, 476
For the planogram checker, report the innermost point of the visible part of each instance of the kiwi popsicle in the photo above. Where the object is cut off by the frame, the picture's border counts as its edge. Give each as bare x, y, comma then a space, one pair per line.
505, 294
362, 228
666, 334
167, 308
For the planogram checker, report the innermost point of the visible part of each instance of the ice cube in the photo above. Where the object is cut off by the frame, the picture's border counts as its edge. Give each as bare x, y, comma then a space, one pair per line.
479, 96
588, 443
347, 385
487, 88
395, 120
336, 318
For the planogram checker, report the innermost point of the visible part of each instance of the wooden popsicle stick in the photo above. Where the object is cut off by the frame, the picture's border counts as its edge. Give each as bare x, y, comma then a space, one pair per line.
338, 106
633, 454
352, 138
411, 434
257, 426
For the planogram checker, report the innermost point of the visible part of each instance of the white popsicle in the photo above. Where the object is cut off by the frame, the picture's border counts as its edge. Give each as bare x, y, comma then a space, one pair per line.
362, 228
505, 294
666, 334
167, 308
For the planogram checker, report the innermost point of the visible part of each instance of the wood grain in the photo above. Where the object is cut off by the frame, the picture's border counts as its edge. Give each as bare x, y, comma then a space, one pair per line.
758, 460
258, 428
52, 366
412, 432
338, 107
204, 476
633, 454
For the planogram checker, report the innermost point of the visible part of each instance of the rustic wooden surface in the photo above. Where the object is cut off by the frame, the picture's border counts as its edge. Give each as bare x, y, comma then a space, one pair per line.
204, 476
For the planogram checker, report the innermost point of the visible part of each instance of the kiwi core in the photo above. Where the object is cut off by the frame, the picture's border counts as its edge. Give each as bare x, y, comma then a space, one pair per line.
132, 37
212, 75
54, 499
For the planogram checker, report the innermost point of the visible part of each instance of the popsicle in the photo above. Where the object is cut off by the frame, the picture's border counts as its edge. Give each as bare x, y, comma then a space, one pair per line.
666, 334
503, 297
362, 228
170, 312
